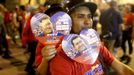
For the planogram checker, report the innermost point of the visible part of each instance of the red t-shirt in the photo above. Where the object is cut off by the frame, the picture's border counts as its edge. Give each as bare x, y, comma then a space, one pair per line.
129, 19
63, 65
7, 18
27, 35
40, 45
38, 55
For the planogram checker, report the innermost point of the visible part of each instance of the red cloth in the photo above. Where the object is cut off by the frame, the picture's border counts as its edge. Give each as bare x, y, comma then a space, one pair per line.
7, 18
38, 57
39, 47
129, 19
27, 35
63, 65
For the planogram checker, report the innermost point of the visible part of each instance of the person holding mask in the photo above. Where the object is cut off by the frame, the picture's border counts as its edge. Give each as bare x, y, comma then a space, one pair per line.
81, 14
47, 54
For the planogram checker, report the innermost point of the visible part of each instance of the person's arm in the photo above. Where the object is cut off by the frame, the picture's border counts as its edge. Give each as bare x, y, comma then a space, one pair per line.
133, 29
117, 66
121, 68
48, 52
42, 68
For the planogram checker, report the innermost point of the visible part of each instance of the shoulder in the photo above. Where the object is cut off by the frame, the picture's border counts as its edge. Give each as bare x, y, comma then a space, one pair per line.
106, 55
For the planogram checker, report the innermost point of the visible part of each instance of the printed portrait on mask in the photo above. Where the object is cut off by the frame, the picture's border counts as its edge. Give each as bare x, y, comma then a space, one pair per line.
62, 23
78, 49
41, 25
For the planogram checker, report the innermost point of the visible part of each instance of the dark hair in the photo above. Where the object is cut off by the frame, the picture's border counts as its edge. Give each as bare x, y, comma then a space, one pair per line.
112, 3
73, 39
73, 4
53, 9
22, 7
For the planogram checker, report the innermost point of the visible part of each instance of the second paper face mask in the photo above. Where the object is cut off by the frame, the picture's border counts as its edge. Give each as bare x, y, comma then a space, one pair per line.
82, 49
62, 23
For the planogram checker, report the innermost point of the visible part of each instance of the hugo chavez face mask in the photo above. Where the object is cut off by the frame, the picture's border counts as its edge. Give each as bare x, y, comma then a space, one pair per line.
61, 23
82, 48
42, 28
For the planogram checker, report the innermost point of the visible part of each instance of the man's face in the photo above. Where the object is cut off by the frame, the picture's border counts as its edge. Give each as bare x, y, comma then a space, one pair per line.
46, 25
79, 44
81, 19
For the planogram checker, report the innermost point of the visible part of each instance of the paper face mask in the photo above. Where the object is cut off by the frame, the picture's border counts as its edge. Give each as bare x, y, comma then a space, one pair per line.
41, 25
62, 23
82, 49
90, 35
43, 29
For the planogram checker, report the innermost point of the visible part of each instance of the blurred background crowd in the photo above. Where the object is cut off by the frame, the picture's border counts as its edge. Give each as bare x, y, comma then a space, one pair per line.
15, 16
